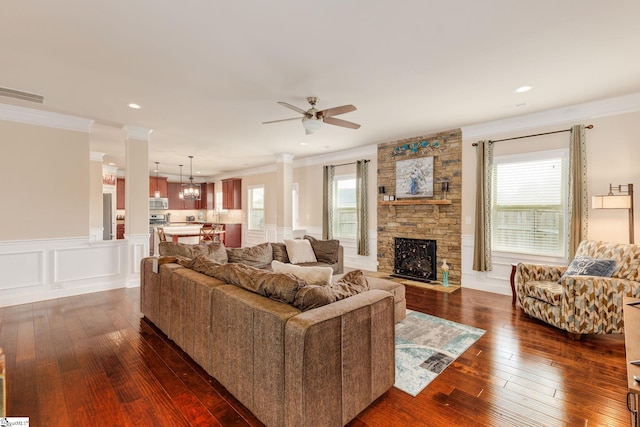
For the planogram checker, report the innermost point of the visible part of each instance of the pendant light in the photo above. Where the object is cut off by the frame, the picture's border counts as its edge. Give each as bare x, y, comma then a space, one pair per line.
156, 194
191, 191
181, 193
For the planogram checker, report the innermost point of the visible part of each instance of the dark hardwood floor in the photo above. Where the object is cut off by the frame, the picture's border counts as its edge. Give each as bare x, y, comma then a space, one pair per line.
92, 360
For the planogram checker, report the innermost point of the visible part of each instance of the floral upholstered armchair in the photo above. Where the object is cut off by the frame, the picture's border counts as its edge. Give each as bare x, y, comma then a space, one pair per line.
576, 302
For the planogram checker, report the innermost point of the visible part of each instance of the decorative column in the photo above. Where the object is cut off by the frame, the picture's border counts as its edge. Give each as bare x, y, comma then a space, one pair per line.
95, 196
136, 202
284, 183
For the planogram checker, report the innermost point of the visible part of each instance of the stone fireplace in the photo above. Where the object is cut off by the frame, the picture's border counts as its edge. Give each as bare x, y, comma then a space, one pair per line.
438, 217
415, 259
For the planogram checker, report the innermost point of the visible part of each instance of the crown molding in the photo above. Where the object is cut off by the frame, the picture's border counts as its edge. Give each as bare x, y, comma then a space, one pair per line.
338, 156
29, 116
137, 132
558, 116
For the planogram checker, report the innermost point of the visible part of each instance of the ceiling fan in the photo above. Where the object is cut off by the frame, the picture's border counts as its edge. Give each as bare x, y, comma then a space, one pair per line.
312, 119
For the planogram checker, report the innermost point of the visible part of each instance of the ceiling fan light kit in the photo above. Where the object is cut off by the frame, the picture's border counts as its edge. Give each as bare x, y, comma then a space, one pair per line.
312, 119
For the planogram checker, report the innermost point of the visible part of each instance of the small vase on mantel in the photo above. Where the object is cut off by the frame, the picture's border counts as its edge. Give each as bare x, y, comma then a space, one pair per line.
445, 273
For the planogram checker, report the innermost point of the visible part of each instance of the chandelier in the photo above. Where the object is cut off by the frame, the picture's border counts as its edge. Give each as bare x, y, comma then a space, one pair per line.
189, 191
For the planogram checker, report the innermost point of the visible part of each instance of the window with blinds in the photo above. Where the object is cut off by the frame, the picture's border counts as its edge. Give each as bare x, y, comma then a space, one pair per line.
529, 203
345, 217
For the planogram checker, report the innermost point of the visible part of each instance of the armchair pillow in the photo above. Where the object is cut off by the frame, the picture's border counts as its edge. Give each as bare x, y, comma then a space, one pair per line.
586, 266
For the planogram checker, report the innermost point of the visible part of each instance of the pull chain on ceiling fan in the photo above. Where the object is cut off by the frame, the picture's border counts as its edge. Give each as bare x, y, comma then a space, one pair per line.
312, 119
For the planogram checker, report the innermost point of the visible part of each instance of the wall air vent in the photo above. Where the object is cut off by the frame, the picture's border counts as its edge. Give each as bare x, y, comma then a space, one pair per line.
25, 96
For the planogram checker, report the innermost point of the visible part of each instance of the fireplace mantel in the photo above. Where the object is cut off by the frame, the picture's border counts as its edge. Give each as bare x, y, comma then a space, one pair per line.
414, 202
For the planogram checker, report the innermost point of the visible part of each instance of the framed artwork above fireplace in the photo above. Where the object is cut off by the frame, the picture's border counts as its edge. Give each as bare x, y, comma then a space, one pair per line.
414, 178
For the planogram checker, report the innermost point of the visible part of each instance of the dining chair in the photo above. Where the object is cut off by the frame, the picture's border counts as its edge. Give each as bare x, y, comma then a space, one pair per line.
161, 236
207, 234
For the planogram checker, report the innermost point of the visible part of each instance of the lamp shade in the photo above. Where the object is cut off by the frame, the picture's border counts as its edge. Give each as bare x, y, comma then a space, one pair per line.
611, 202
311, 125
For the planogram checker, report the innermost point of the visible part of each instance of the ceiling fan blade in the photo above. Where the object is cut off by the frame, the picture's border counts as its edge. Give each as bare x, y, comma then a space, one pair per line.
340, 122
281, 120
329, 112
293, 107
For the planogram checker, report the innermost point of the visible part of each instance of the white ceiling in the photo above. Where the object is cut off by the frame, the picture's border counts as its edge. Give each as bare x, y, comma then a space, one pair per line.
207, 73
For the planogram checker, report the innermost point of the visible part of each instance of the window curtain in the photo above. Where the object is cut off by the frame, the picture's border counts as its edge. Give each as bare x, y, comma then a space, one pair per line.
362, 203
482, 240
578, 201
327, 204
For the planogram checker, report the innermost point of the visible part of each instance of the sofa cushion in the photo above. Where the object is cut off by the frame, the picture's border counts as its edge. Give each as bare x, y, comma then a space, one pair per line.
300, 251
626, 256
319, 276
215, 250
255, 256
312, 296
549, 292
325, 250
586, 266
280, 252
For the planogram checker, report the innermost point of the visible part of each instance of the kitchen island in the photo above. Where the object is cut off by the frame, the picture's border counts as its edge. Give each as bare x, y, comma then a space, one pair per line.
188, 234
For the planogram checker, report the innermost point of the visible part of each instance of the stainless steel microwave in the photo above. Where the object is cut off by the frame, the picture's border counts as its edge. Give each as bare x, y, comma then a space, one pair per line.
158, 203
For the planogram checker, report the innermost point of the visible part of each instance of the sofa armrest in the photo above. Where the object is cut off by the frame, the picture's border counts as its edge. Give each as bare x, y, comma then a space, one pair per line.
538, 273
339, 358
593, 305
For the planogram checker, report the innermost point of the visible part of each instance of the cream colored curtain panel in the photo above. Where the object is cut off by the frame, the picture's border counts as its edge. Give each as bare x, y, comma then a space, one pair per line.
362, 206
482, 238
327, 204
578, 198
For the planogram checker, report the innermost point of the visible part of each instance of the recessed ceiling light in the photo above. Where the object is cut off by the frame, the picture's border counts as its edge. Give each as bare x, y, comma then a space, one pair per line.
134, 106
523, 89
303, 143
112, 164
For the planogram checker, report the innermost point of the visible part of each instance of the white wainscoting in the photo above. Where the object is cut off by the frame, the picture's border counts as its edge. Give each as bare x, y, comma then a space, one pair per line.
38, 270
497, 280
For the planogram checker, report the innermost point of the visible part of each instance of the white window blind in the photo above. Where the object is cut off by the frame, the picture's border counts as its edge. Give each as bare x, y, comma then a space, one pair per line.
530, 203
345, 218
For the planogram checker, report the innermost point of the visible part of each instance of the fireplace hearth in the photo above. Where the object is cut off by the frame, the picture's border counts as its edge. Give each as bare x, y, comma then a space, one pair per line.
415, 259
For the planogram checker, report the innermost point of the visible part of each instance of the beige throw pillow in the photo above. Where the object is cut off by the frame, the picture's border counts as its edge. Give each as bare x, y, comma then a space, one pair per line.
319, 276
300, 251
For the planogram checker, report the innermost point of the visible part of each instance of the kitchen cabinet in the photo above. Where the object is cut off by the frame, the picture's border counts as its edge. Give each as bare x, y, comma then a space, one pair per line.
175, 202
233, 235
119, 231
232, 193
162, 186
208, 198
120, 193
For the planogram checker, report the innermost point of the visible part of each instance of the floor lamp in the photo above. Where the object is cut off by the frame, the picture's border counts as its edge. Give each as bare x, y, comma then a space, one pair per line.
623, 199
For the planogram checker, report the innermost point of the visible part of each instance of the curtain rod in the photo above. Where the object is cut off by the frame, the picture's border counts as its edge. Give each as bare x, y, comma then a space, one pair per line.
475, 144
351, 163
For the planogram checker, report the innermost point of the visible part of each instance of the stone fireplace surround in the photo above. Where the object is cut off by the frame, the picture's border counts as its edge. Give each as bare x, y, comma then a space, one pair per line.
417, 218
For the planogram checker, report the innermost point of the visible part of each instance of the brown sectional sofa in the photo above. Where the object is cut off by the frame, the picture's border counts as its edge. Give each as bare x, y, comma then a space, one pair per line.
289, 367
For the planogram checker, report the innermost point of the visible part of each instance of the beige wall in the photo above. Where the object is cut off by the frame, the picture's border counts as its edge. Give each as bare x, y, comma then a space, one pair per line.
612, 153
45, 176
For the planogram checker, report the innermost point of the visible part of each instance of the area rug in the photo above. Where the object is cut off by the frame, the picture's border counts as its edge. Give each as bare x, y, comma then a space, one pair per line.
425, 346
